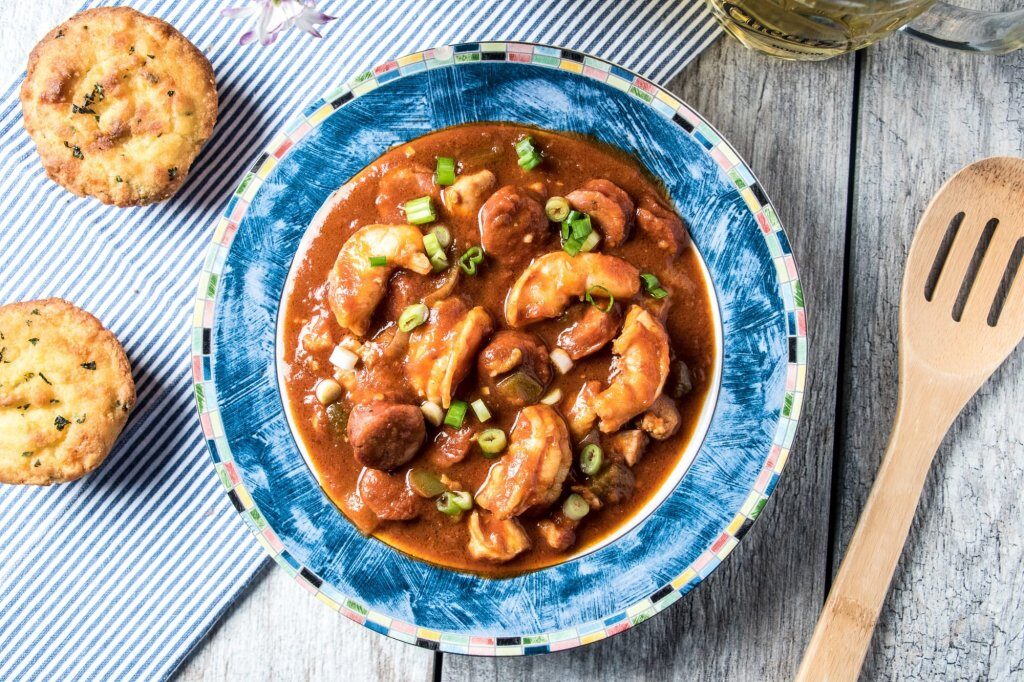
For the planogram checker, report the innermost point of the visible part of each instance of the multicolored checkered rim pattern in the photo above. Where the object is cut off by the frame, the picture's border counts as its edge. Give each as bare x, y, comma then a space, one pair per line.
673, 109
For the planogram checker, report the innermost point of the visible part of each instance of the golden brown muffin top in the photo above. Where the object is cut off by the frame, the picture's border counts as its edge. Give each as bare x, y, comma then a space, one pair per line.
119, 104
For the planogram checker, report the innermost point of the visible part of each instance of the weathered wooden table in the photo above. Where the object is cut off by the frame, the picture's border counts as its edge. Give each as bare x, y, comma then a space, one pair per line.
850, 150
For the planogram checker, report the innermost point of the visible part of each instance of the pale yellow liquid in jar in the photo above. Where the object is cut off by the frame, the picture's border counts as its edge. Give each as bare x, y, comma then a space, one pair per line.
813, 29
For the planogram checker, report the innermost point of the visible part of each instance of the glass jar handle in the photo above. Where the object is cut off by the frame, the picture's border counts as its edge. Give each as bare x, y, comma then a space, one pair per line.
972, 30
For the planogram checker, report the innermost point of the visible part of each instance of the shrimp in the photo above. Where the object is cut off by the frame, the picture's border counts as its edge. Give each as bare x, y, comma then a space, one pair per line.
609, 207
466, 195
638, 373
531, 474
581, 415
355, 287
495, 539
442, 351
551, 281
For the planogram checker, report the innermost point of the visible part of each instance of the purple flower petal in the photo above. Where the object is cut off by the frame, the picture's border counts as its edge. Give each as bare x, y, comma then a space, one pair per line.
276, 16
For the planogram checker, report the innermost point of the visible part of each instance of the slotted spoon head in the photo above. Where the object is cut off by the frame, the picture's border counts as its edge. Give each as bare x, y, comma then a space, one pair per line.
962, 306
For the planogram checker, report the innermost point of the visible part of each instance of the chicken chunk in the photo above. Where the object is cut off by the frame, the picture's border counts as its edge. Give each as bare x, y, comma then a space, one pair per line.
514, 352
355, 287
496, 539
608, 206
441, 351
626, 446
559, 532
512, 226
661, 420
401, 184
387, 495
660, 224
530, 475
551, 281
590, 330
466, 195
638, 372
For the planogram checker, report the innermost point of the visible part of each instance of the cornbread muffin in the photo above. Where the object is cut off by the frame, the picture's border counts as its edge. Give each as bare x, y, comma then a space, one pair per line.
119, 104
66, 391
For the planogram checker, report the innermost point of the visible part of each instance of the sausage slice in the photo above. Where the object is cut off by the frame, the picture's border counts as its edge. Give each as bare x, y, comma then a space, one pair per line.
385, 435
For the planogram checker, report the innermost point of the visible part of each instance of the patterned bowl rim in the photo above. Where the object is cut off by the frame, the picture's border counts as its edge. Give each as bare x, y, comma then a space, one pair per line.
675, 111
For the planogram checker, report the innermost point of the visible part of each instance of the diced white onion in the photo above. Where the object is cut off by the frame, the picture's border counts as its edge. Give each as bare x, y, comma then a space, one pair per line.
553, 397
328, 391
561, 360
480, 410
433, 412
343, 358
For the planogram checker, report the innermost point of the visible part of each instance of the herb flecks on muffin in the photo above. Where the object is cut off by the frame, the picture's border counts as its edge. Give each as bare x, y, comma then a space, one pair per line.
119, 105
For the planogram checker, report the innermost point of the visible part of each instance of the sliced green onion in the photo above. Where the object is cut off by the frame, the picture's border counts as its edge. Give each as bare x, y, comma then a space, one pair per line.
590, 243
446, 504
443, 236
413, 316
603, 293
652, 286
445, 173
575, 507
454, 502
581, 227
432, 245
650, 281
529, 157
439, 261
557, 209
468, 261
529, 162
425, 483
572, 246
433, 412
591, 459
328, 391
480, 410
456, 414
378, 261
525, 146
492, 442
419, 211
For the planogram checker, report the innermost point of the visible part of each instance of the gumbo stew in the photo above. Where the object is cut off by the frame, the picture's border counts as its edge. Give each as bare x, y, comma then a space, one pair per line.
496, 346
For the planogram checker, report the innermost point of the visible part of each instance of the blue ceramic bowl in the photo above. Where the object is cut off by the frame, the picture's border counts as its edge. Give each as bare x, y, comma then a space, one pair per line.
717, 492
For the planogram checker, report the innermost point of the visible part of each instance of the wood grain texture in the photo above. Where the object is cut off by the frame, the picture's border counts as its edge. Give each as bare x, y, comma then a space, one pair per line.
957, 597
949, 346
279, 632
752, 617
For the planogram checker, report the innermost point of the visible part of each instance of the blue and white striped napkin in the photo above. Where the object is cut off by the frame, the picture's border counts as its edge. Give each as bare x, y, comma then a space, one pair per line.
119, 575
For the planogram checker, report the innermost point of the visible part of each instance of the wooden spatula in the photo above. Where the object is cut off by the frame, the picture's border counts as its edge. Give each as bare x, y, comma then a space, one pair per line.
961, 315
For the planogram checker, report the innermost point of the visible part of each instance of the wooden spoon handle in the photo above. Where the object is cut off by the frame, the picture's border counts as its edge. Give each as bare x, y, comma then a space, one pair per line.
843, 633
